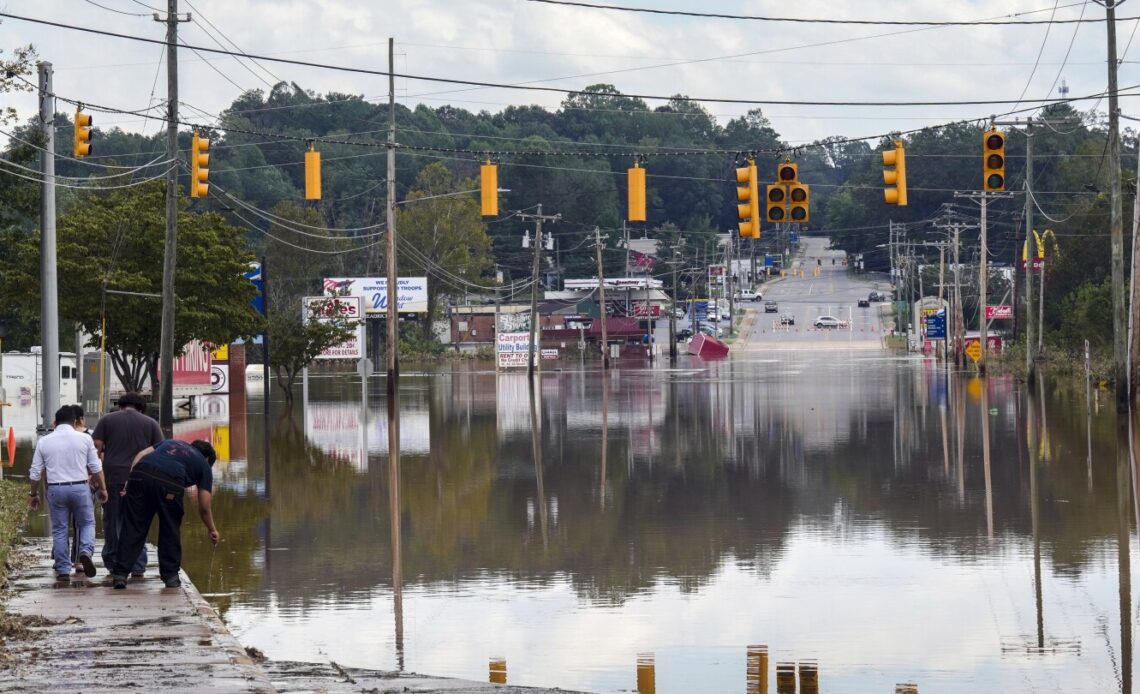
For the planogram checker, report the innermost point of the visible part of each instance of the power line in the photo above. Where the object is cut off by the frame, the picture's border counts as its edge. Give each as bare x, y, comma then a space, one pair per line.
542, 88
806, 20
112, 9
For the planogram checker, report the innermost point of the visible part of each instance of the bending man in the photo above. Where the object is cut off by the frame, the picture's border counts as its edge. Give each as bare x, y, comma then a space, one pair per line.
156, 486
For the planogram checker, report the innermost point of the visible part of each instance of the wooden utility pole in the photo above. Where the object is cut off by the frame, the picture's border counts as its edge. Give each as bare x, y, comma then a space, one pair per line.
536, 334
170, 251
1134, 314
390, 223
729, 289
1116, 221
1030, 348
602, 299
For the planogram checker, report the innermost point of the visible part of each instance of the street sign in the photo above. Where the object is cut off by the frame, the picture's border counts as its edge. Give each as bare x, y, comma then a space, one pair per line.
974, 349
936, 326
999, 312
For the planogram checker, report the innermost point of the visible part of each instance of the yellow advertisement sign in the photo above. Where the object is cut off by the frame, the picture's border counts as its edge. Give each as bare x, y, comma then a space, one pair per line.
221, 353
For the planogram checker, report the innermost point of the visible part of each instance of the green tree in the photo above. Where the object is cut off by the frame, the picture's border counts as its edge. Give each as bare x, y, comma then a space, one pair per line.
115, 241
294, 344
442, 235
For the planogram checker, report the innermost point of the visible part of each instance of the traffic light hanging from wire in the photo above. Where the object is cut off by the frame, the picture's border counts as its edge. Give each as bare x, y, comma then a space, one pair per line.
199, 166
895, 180
993, 167
489, 189
636, 184
776, 202
748, 196
82, 146
787, 173
799, 201
312, 173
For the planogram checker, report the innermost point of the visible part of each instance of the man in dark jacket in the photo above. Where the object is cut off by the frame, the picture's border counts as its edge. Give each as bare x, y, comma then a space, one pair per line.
156, 486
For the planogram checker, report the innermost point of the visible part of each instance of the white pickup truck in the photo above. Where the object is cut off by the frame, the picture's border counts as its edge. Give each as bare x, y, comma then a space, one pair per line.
749, 295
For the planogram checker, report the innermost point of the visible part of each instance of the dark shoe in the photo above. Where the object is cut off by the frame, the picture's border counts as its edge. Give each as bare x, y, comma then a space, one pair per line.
172, 583
138, 574
63, 577
88, 565
119, 583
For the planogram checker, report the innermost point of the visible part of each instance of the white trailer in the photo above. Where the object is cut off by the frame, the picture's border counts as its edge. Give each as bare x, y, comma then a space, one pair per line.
22, 383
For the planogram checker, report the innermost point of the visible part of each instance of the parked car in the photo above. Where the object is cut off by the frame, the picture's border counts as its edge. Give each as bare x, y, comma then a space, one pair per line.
877, 296
829, 322
684, 334
771, 307
787, 319
712, 329
864, 303
749, 295
679, 313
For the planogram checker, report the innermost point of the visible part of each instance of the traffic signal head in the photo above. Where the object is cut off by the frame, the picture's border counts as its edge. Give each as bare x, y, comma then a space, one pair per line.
993, 166
799, 199
312, 174
777, 202
787, 172
636, 180
748, 195
82, 147
199, 166
489, 189
895, 180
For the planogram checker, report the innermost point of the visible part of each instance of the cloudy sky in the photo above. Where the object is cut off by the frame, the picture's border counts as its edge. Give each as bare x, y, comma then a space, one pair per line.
518, 41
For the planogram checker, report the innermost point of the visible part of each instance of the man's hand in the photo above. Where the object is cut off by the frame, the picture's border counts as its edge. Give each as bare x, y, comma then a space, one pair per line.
101, 495
214, 537
34, 502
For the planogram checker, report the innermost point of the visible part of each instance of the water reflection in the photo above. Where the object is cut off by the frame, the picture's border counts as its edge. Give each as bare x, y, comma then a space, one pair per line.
877, 519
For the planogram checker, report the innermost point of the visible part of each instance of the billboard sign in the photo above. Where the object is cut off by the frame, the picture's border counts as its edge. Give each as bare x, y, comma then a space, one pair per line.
512, 349
411, 292
999, 312
192, 370
936, 326
325, 308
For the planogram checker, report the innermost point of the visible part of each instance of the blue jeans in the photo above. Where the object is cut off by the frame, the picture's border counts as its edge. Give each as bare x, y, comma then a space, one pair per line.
65, 501
113, 530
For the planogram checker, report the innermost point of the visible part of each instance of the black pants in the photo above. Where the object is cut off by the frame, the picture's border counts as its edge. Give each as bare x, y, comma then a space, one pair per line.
150, 493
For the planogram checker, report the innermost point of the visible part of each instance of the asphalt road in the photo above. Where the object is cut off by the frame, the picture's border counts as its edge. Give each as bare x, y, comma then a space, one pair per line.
826, 289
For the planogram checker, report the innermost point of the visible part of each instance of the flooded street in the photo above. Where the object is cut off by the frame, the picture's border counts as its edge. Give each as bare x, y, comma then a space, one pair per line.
685, 530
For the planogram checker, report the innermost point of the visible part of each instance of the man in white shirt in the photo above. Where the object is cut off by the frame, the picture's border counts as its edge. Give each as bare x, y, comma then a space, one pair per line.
66, 458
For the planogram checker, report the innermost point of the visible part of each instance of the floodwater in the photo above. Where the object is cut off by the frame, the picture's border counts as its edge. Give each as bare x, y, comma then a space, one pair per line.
868, 520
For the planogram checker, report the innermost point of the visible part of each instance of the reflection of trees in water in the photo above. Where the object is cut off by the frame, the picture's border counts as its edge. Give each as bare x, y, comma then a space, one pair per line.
703, 494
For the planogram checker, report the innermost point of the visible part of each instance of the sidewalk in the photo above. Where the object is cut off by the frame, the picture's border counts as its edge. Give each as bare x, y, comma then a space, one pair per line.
89, 638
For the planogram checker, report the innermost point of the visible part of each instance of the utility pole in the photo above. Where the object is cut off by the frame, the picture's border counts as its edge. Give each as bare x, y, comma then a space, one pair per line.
602, 300
983, 285
942, 289
1116, 223
535, 333
673, 314
729, 290
1030, 349
49, 291
390, 224
1134, 315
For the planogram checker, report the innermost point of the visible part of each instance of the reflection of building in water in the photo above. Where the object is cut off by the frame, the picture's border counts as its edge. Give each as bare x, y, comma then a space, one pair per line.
756, 677
906, 688
498, 671
646, 674
785, 678
337, 429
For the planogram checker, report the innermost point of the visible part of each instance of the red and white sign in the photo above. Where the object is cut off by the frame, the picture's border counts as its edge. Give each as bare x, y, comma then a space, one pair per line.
999, 312
994, 341
192, 370
650, 310
1038, 264
325, 308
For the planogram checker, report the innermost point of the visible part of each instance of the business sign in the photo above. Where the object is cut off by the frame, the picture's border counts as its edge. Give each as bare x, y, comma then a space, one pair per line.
999, 312
512, 349
411, 292
192, 370
325, 309
936, 327
647, 310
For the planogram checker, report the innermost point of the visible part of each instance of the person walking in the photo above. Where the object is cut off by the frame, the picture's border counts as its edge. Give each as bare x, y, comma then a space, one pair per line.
64, 459
156, 487
119, 436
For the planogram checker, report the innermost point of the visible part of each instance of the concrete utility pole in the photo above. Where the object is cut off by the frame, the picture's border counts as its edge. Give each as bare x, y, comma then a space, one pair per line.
1030, 349
602, 299
729, 289
535, 333
170, 252
983, 282
393, 320
1116, 223
49, 290
673, 313
1134, 314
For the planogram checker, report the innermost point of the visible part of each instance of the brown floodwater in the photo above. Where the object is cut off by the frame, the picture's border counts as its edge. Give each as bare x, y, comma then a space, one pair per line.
855, 521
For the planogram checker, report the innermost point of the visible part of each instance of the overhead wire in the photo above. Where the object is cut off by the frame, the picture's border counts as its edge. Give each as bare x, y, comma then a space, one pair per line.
1041, 51
112, 9
233, 44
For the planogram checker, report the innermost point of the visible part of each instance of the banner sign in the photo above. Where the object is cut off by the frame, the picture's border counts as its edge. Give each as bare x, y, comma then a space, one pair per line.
999, 312
512, 349
325, 308
411, 292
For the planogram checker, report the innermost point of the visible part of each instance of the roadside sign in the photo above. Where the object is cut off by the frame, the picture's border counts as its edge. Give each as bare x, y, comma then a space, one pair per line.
974, 349
999, 312
936, 326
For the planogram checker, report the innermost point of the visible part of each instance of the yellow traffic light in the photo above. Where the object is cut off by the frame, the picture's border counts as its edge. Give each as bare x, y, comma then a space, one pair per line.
489, 189
636, 180
897, 158
787, 173
312, 173
199, 166
749, 196
777, 202
993, 166
82, 147
799, 201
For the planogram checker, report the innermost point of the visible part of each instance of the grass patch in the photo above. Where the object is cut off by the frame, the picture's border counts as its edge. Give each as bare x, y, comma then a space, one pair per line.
13, 512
